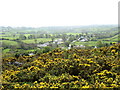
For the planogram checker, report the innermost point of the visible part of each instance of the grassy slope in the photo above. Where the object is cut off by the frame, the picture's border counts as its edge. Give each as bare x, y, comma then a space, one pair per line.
111, 39
9, 42
89, 43
38, 40
65, 69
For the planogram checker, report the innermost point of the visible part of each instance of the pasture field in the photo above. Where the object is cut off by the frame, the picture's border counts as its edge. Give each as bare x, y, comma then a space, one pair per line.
38, 40
2, 35
73, 33
8, 42
111, 39
10, 38
27, 35
5, 50
89, 43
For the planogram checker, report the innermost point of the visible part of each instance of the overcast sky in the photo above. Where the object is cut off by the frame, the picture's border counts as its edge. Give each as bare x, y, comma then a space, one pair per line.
37, 13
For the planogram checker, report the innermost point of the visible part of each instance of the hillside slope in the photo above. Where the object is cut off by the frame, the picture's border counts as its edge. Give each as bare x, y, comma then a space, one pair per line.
74, 68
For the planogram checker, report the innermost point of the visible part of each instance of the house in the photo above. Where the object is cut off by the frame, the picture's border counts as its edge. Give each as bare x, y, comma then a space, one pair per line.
31, 54
74, 41
82, 46
15, 63
84, 40
69, 46
79, 46
43, 45
58, 41
95, 47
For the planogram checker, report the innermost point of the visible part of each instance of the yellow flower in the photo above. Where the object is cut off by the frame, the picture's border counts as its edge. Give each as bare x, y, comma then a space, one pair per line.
76, 82
32, 87
64, 83
35, 82
41, 87
116, 53
2, 87
113, 50
85, 86
41, 82
110, 80
88, 59
53, 87
102, 85
114, 85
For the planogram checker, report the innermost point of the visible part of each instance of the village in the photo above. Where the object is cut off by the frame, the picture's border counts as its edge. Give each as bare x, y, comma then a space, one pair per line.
59, 42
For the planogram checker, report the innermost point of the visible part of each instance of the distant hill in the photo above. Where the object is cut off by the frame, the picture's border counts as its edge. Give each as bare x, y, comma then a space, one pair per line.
62, 29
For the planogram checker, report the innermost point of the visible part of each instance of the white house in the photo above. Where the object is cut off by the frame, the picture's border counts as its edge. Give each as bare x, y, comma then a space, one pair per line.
83, 40
58, 41
43, 45
31, 54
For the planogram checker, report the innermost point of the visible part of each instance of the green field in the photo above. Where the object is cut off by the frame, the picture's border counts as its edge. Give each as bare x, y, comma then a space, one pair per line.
111, 39
10, 38
89, 43
15, 36
73, 33
9, 42
3, 35
27, 35
6, 50
38, 40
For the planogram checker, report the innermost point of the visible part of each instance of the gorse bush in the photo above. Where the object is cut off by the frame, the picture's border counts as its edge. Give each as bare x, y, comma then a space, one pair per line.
66, 69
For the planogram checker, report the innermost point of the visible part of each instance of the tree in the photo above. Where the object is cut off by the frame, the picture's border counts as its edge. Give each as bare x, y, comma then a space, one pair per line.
31, 37
53, 38
47, 49
67, 43
64, 37
22, 37
100, 44
35, 41
71, 39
